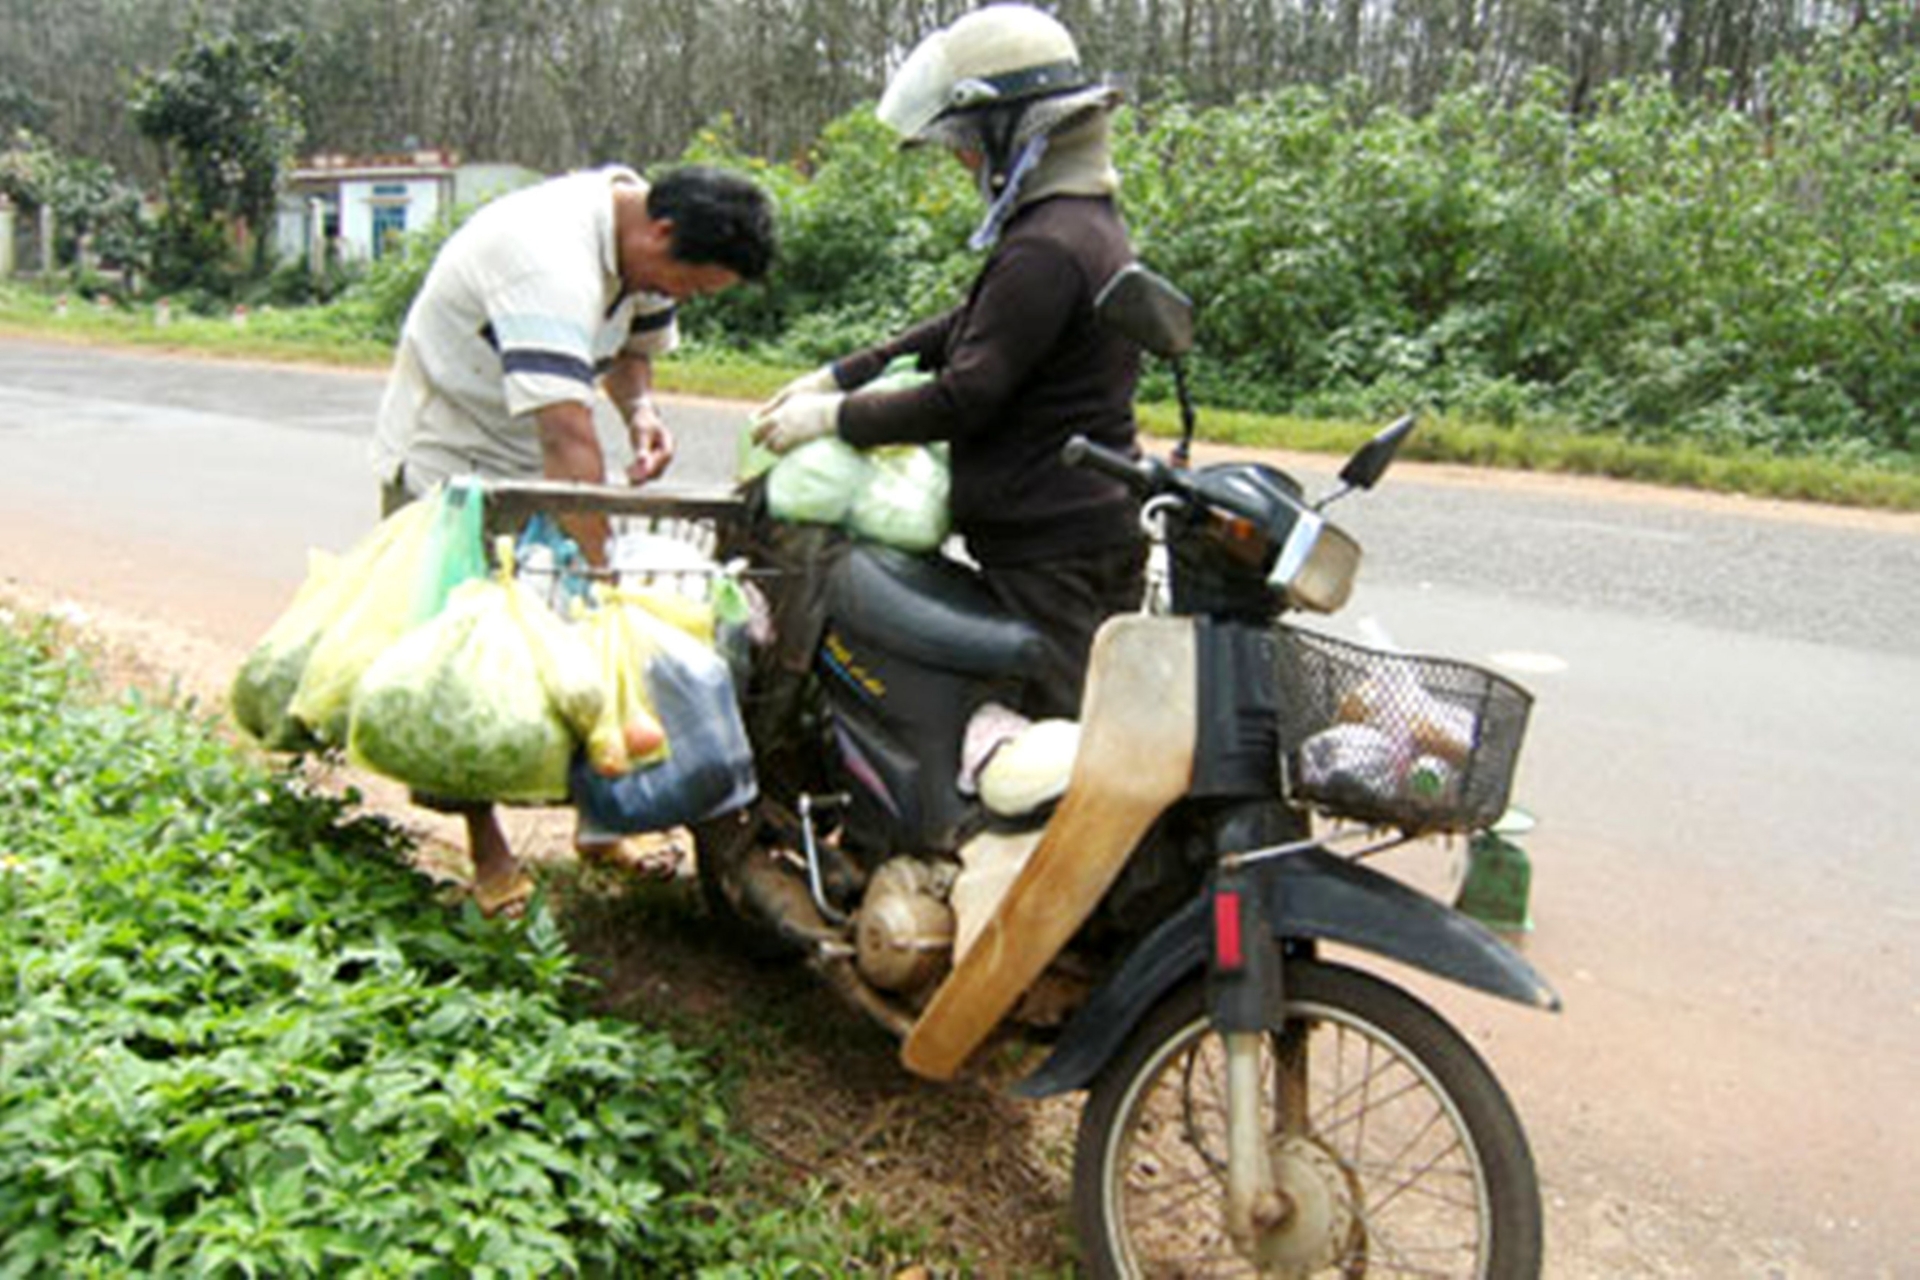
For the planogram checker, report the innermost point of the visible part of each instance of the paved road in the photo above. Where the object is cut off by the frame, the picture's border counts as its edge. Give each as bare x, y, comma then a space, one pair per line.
1725, 753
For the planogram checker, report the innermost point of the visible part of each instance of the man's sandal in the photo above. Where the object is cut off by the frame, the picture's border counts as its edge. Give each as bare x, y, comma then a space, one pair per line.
654, 856
508, 899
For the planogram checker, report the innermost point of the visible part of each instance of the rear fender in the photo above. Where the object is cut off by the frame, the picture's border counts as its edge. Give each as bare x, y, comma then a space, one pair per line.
1311, 895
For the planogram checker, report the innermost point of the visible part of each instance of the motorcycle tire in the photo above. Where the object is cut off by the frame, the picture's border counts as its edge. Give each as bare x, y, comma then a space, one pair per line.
722, 846
1408, 1157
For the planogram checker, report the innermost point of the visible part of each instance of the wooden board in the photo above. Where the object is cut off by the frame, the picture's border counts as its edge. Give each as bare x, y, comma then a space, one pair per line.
1136, 757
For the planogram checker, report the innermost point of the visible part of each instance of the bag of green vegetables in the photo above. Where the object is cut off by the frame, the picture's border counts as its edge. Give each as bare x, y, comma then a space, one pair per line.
434, 546
488, 701
291, 693
893, 494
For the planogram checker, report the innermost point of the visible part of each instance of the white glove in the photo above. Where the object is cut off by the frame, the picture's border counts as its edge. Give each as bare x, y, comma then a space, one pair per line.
788, 423
820, 382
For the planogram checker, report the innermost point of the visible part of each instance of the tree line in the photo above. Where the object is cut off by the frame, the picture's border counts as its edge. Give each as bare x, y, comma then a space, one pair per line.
555, 84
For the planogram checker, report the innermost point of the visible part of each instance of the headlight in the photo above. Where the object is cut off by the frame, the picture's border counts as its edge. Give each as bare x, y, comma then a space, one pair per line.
1316, 565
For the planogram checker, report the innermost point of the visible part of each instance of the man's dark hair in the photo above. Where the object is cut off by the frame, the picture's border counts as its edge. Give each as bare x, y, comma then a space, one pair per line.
719, 218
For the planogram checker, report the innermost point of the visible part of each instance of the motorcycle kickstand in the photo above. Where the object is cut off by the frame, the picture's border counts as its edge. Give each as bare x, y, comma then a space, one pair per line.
811, 848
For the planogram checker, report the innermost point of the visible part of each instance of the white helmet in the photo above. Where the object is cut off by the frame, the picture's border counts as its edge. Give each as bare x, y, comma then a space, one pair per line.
1004, 53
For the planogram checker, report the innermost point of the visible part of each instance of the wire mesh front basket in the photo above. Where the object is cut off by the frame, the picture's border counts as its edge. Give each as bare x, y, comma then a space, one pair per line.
1401, 740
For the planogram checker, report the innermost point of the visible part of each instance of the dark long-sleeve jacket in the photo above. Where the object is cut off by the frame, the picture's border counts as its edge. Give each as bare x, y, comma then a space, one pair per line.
1020, 367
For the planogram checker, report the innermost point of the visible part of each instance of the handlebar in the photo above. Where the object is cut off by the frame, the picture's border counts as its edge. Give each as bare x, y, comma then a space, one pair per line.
1142, 475
1148, 476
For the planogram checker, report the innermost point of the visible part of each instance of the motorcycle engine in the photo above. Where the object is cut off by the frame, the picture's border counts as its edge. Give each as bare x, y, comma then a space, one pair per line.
903, 936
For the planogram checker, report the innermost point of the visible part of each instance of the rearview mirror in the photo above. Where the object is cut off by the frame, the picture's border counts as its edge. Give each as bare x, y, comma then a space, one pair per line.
1147, 310
1370, 461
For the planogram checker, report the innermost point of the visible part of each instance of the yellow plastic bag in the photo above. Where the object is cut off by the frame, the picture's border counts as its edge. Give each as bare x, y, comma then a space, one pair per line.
409, 562
486, 701
276, 695
628, 733
378, 589
262, 691
695, 617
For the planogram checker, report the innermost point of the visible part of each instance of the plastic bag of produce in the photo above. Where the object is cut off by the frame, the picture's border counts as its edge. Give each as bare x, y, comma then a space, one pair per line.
487, 701
893, 494
628, 734
263, 687
400, 576
816, 483
904, 500
708, 767
417, 555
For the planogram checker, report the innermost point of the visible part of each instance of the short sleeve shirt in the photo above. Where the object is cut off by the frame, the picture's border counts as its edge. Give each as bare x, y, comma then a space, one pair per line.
522, 308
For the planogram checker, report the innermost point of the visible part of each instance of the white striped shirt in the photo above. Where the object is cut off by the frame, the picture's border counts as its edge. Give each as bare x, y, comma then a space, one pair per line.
523, 308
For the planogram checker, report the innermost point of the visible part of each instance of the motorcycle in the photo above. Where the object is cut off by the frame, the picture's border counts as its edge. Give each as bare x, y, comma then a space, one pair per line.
1148, 895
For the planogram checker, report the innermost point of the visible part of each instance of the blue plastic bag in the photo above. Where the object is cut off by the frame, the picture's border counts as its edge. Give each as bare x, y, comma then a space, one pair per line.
708, 769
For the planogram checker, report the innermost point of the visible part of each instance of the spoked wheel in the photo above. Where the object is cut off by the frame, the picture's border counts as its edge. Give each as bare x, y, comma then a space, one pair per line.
1393, 1148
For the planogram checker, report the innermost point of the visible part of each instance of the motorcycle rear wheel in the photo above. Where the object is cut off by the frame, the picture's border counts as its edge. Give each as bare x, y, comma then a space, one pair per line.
1405, 1158
722, 847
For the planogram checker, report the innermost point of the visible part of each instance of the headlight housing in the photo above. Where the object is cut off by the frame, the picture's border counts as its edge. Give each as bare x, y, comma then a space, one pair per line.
1316, 565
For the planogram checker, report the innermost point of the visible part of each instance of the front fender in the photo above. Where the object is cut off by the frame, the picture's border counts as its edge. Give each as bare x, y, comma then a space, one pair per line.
1310, 895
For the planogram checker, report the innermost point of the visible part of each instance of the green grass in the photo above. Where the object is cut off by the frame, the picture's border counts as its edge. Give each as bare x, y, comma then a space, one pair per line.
240, 1036
303, 335
334, 337
1752, 472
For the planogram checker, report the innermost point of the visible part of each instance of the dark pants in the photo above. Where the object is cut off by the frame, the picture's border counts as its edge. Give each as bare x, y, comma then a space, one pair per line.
393, 494
1067, 599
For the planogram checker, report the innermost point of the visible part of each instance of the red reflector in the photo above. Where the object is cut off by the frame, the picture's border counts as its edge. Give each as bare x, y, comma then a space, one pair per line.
1226, 932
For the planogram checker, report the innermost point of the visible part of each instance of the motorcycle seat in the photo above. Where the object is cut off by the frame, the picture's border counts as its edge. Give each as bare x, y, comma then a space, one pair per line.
928, 610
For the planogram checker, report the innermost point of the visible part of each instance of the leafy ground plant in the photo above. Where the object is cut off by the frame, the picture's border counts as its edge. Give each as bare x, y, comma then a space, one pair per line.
238, 1036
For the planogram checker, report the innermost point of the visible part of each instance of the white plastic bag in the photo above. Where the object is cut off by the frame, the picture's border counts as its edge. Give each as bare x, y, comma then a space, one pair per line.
904, 500
817, 483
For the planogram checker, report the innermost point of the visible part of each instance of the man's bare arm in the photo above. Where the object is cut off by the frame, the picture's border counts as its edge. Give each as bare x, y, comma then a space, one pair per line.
629, 384
570, 450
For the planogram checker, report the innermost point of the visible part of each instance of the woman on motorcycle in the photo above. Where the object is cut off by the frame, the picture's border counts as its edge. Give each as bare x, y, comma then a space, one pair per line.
1020, 365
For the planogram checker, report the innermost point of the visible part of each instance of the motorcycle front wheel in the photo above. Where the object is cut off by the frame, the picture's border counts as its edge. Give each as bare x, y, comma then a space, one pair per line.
1393, 1147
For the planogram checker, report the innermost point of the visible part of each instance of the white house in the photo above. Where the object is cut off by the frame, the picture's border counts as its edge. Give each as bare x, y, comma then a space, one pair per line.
361, 204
